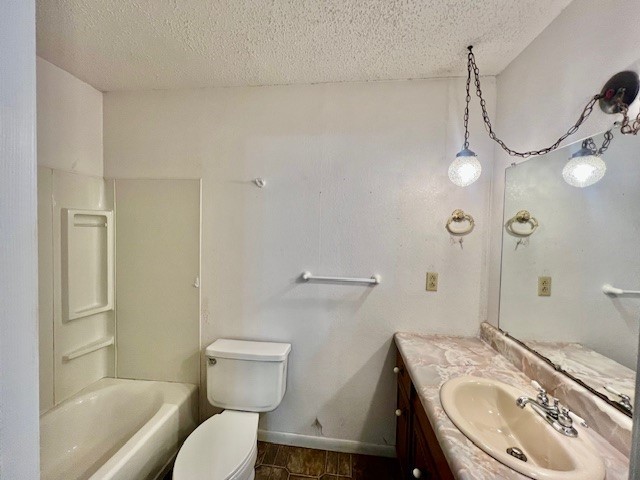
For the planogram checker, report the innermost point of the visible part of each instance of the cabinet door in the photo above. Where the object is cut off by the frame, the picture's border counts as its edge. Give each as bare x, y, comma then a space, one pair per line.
403, 425
422, 464
426, 446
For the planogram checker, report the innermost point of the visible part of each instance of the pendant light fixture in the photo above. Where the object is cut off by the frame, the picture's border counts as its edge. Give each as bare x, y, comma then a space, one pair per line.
466, 168
585, 167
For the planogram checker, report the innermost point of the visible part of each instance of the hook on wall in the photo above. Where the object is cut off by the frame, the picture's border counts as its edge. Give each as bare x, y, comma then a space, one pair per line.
259, 182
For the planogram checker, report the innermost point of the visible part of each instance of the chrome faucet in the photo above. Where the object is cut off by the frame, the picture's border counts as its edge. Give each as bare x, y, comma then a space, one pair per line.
559, 417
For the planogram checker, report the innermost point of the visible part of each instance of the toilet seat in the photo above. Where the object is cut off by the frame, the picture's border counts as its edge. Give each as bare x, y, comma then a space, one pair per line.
224, 447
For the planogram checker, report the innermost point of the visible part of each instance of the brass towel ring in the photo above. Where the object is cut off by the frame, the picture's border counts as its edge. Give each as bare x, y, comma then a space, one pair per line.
522, 217
458, 216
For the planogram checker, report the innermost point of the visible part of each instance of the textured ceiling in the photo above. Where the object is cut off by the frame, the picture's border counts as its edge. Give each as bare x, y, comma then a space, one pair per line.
150, 44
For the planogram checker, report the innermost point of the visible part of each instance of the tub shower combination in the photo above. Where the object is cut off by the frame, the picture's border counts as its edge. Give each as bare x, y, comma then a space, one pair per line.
117, 429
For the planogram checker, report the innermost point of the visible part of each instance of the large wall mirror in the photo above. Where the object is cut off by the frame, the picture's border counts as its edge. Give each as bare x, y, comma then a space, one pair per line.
565, 245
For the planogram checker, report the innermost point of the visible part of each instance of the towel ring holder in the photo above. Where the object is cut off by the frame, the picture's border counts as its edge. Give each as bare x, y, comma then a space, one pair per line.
458, 216
523, 217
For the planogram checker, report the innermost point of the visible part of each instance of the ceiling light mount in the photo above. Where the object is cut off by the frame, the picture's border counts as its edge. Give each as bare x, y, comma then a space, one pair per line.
621, 89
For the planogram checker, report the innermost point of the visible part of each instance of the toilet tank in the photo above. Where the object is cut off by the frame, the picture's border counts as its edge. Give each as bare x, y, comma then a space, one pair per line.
245, 375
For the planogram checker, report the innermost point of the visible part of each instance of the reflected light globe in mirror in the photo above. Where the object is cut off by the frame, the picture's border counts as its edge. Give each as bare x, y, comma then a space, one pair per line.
584, 169
465, 169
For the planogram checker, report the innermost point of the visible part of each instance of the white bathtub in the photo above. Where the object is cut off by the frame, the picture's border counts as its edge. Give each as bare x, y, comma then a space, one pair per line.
117, 429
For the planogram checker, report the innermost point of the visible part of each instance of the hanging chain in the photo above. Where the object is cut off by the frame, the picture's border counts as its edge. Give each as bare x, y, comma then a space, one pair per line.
466, 108
591, 145
588, 109
626, 127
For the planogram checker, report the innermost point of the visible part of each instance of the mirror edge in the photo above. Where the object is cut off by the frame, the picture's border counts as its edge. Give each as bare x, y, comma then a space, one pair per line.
558, 368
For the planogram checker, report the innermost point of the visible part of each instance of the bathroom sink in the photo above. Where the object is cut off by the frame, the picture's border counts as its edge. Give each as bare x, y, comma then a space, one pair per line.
485, 411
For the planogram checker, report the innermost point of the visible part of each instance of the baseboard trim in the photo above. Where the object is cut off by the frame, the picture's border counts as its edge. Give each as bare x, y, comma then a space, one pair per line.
324, 443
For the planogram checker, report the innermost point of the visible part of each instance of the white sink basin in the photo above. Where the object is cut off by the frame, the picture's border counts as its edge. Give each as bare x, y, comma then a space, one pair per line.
485, 411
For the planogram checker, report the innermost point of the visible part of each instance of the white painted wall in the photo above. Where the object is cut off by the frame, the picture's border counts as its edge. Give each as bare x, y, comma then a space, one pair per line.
69, 122
356, 184
587, 237
544, 89
70, 171
19, 449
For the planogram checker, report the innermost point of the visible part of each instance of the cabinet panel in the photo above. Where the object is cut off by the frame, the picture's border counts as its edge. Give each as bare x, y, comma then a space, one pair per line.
403, 425
423, 429
422, 464
404, 381
417, 446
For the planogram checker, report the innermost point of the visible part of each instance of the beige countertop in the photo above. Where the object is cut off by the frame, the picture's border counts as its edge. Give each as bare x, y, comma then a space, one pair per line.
433, 359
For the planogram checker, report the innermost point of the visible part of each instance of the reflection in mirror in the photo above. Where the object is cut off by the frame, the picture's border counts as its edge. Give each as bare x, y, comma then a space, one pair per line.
551, 294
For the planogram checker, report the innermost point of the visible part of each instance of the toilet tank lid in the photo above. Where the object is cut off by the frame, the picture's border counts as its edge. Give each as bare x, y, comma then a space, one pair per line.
247, 350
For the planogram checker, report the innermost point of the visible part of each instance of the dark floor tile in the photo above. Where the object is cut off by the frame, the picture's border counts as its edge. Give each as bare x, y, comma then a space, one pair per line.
263, 472
279, 473
344, 464
305, 461
332, 463
270, 454
262, 450
330, 477
283, 456
366, 467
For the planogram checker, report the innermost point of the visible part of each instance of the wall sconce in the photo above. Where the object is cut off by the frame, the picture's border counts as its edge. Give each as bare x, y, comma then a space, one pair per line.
585, 167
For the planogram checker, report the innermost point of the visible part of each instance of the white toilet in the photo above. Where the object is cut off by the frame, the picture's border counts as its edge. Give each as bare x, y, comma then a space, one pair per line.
244, 378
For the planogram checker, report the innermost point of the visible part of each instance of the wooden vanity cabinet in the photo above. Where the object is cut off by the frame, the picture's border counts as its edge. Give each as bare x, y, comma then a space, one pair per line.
417, 447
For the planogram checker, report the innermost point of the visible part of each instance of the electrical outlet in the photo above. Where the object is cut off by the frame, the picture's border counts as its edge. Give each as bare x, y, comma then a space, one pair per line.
544, 286
432, 282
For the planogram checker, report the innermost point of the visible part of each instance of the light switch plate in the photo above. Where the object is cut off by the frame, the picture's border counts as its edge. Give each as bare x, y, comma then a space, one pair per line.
544, 286
432, 282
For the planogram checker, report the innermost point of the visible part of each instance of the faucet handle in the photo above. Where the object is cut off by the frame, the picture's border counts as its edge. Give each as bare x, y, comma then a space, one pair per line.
581, 421
625, 400
542, 393
564, 416
537, 386
572, 416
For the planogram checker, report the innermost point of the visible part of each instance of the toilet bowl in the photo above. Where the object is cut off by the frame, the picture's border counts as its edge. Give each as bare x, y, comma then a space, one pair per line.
223, 447
245, 378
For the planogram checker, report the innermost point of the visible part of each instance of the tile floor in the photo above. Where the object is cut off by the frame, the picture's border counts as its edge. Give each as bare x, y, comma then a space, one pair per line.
281, 462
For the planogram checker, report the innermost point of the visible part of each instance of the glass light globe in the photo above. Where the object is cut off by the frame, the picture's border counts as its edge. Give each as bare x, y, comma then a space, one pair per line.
465, 169
584, 169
